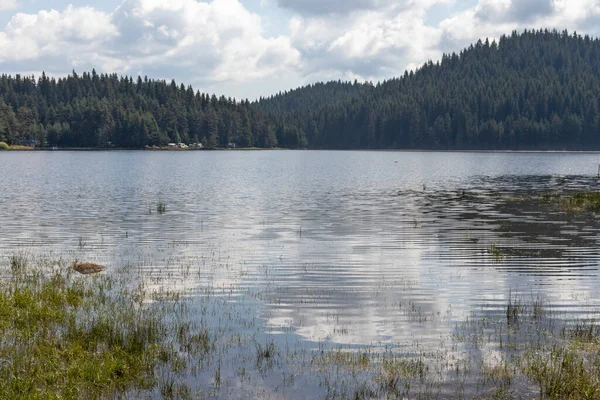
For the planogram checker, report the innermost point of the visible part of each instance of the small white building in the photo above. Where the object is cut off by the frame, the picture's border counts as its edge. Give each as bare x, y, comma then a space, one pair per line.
182, 146
172, 145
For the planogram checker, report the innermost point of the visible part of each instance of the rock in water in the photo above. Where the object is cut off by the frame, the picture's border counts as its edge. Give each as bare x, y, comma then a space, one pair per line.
89, 268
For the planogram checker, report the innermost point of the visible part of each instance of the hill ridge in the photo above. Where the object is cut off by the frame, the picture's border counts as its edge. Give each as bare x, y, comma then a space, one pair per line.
533, 90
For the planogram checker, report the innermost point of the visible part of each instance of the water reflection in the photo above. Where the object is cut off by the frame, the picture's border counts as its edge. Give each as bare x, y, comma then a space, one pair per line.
345, 247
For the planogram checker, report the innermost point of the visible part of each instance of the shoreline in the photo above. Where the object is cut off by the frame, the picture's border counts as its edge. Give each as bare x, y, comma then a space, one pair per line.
65, 149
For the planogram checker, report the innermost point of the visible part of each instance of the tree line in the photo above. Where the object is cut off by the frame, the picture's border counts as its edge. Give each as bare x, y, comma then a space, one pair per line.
530, 90
92, 110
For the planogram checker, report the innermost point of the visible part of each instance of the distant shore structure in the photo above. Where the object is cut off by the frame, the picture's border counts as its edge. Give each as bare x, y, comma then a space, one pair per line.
184, 146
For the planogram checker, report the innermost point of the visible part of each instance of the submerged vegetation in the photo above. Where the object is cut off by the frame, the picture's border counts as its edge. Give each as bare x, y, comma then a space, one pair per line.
497, 318
64, 337
497, 253
95, 337
576, 202
566, 201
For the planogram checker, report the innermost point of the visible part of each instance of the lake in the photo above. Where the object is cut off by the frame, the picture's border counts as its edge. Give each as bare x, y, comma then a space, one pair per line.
319, 249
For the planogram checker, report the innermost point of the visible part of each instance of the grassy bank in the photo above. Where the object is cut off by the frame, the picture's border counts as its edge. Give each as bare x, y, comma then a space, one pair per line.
152, 148
4, 146
68, 336
162, 148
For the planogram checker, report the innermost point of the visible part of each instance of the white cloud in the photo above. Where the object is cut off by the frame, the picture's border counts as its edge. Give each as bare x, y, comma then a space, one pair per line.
519, 11
370, 44
221, 46
7, 5
316, 7
220, 41
198, 42
493, 18
375, 40
71, 34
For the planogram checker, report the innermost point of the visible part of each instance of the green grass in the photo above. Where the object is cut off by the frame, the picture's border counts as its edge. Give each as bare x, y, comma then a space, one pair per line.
563, 371
68, 337
497, 253
575, 202
588, 201
17, 147
4, 146
514, 310
63, 335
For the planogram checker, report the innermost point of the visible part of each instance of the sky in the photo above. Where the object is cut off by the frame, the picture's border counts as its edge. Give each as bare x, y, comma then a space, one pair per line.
254, 48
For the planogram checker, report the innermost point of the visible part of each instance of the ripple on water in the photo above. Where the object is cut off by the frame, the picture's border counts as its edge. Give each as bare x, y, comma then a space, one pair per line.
347, 247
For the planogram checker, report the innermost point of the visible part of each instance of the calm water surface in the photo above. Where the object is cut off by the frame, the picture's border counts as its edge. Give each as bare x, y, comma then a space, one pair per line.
353, 248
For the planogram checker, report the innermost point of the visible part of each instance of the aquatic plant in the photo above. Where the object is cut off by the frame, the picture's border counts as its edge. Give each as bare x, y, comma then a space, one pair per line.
113, 338
497, 253
573, 202
514, 309
583, 331
538, 309
161, 207
64, 337
563, 372
18, 262
265, 354
587, 201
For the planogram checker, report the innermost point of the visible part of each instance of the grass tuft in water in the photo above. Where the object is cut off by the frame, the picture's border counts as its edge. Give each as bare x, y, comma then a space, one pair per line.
575, 202
514, 310
161, 207
564, 372
67, 337
18, 263
589, 201
497, 253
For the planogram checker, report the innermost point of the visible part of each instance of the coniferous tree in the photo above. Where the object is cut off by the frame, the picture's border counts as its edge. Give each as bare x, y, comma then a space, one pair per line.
530, 90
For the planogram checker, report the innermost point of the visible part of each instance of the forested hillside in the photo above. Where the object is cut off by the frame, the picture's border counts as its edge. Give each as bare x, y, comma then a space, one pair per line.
533, 90
314, 96
106, 110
